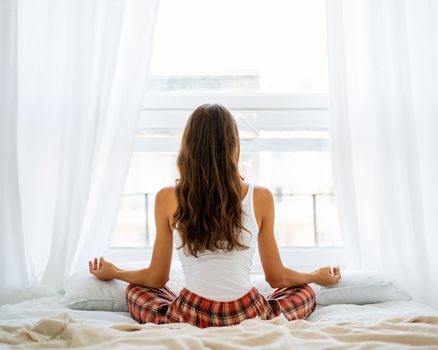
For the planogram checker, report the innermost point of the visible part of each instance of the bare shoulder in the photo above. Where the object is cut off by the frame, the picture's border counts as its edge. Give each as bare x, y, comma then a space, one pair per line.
263, 203
262, 195
166, 197
166, 192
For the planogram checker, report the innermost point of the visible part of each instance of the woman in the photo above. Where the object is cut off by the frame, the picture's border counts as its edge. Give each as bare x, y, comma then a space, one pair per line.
216, 220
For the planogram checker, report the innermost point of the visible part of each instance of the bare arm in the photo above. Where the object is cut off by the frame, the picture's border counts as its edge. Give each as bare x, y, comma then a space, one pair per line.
157, 274
276, 274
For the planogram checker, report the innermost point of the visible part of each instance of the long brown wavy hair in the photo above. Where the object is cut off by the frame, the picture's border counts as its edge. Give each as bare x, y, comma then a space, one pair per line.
209, 212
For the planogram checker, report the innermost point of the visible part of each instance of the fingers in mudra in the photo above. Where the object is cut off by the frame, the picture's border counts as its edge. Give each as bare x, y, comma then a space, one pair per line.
102, 269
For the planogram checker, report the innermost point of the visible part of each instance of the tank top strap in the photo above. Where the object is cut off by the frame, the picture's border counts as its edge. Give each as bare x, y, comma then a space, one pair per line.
248, 205
251, 194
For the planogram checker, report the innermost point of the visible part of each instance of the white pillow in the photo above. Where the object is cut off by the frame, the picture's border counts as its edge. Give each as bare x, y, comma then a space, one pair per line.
361, 287
83, 291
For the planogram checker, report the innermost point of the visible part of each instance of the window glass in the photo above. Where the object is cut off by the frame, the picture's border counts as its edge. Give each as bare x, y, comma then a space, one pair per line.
273, 49
244, 45
299, 180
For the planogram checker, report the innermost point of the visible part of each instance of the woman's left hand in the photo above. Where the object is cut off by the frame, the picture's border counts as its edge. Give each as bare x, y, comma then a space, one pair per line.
326, 276
102, 269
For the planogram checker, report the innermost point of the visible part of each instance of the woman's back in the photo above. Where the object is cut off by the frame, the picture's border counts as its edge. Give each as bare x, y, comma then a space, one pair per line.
225, 274
215, 221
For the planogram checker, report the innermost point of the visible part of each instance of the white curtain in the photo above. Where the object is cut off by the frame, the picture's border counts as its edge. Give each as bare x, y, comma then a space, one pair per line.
383, 63
72, 77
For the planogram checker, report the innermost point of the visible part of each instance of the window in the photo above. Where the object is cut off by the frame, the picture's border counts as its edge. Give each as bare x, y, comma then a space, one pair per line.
245, 45
266, 61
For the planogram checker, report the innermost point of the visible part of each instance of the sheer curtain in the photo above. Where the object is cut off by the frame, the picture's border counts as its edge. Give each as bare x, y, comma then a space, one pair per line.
72, 77
383, 62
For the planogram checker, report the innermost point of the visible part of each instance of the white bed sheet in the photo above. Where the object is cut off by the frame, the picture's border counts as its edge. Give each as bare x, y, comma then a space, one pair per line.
370, 313
34, 304
40, 321
30, 311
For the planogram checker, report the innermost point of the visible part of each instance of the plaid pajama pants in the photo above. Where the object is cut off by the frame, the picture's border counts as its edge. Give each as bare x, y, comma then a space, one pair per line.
161, 305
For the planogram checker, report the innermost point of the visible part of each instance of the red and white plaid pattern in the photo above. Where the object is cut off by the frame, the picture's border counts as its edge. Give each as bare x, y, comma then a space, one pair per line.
153, 305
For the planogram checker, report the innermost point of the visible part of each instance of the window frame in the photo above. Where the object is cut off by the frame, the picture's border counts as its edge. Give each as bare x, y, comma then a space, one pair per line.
286, 110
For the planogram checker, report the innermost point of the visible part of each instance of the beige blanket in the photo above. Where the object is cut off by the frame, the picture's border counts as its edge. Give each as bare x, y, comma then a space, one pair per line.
63, 332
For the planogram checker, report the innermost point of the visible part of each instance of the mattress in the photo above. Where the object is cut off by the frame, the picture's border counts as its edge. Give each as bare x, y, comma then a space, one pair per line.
42, 322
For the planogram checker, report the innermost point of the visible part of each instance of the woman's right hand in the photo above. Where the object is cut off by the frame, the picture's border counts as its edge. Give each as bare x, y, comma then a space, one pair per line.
326, 276
102, 269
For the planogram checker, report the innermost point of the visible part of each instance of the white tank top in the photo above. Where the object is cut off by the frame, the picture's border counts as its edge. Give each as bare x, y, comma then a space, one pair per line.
223, 275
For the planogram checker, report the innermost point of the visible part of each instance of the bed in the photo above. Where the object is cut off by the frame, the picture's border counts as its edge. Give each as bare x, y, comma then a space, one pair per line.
39, 319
